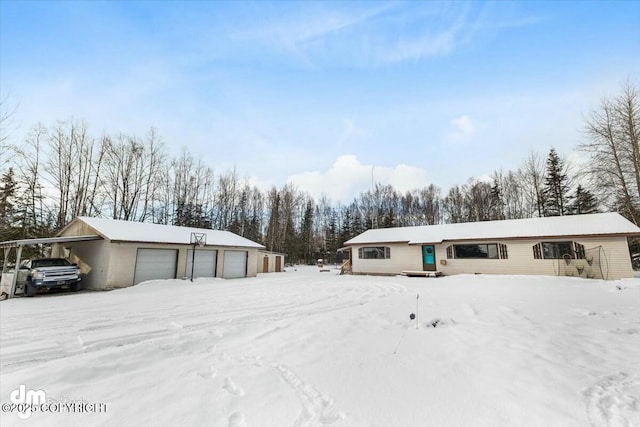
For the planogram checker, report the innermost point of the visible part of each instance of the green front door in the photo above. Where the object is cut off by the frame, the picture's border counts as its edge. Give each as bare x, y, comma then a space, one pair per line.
428, 258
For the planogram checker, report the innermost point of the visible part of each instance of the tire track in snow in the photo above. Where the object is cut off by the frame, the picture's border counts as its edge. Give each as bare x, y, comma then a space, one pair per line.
155, 323
22, 355
614, 401
309, 307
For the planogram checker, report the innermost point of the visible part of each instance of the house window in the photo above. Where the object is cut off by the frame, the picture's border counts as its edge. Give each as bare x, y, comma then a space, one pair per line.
482, 250
479, 251
558, 250
374, 252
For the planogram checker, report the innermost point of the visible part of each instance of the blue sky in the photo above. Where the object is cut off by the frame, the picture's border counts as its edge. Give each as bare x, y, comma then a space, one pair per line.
322, 93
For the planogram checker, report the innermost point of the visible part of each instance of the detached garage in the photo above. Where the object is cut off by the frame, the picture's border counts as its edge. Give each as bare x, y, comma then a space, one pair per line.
126, 253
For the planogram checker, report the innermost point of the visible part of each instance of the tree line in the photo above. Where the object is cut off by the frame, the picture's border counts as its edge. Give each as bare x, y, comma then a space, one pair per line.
62, 171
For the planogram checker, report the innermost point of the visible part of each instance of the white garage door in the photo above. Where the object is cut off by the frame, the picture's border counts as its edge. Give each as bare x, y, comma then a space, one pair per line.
155, 264
205, 263
235, 264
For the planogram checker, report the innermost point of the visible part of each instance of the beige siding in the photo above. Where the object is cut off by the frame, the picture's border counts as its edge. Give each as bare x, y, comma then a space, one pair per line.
94, 254
520, 260
79, 228
252, 259
122, 264
272, 261
123, 261
259, 263
616, 262
91, 256
403, 257
616, 250
108, 265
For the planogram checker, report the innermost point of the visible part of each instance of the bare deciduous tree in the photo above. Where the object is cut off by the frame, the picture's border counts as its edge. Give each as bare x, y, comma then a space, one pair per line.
531, 177
155, 159
454, 204
72, 168
431, 200
131, 174
613, 148
225, 199
32, 213
192, 193
6, 114
512, 195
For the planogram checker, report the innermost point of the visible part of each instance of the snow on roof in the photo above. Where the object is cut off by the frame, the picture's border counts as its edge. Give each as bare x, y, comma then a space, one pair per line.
131, 231
572, 225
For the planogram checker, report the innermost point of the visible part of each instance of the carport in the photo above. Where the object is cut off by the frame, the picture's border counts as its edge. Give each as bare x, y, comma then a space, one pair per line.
19, 244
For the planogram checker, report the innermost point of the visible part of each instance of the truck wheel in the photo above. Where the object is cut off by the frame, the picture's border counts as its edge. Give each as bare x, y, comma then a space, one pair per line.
75, 287
30, 290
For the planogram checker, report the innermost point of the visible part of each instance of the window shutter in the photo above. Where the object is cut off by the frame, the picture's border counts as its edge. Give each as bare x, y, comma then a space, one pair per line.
537, 251
387, 252
450, 251
502, 248
579, 250
360, 253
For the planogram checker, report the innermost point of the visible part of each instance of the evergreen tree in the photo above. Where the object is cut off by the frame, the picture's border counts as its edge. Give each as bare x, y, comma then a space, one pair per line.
273, 227
556, 186
306, 233
584, 202
347, 224
497, 202
289, 241
8, 187
332, 237
389, 220
359, 222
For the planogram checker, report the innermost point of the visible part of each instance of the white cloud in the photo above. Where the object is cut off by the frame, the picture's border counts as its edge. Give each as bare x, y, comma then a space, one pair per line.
462, 128
294, 31
424, 46
385, 33
347, 178
350, 130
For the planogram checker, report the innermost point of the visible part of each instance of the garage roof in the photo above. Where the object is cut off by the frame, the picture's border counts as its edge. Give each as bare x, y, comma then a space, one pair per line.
130, 231
603, 224
46, 241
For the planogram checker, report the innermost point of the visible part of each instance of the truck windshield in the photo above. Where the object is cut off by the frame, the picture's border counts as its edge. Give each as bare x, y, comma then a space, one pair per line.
50, 262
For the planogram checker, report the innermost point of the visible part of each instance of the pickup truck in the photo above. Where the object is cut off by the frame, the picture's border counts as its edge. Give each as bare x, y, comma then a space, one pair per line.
47, 273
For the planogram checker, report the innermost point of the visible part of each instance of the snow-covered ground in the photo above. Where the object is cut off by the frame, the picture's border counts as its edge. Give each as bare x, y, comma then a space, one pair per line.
310, 348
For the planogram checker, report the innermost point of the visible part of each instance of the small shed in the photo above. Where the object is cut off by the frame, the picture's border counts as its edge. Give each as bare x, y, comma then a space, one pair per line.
270, 262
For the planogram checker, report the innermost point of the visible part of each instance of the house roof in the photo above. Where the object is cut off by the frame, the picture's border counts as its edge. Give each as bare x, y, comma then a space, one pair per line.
130, 231
573, 225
